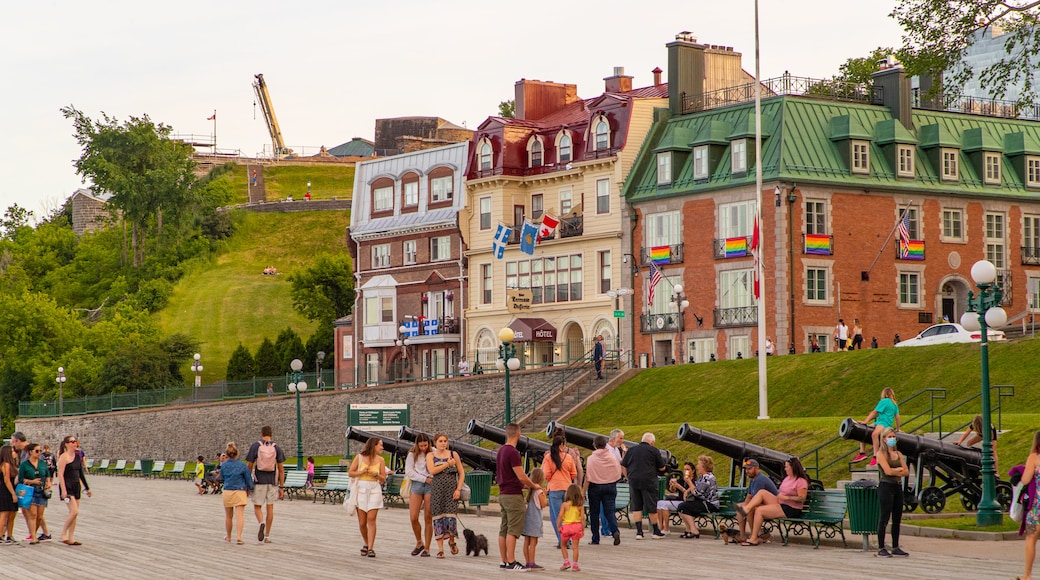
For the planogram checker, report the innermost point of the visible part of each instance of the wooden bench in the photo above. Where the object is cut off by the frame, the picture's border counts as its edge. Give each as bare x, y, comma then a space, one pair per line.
621, 501
136, 469
295, 483
157, 469
118, 468
337, 485
729, 497
177, 471
90, 464
392, 489
103, 466
824, 514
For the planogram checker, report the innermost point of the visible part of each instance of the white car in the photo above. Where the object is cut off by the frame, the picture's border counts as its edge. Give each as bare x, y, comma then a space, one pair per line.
948, 332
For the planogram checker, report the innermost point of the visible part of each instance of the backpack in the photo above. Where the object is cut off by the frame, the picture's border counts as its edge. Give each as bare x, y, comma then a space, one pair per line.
266, 456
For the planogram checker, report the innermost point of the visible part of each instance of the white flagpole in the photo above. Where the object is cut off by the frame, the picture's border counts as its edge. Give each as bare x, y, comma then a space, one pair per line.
763, 386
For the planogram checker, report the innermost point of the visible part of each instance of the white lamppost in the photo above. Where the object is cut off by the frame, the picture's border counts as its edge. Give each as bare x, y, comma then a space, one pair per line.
61, 390
297, 385
680, 303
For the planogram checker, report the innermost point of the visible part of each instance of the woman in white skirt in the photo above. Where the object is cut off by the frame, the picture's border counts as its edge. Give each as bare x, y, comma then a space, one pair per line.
370, 470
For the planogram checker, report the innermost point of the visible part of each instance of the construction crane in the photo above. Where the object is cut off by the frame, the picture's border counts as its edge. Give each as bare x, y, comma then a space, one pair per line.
264, 97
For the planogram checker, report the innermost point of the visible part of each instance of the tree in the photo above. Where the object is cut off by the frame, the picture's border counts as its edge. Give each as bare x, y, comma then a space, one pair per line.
507, 109
241, 365
14, 219
288, 345
267, 361
938, 34
324, 291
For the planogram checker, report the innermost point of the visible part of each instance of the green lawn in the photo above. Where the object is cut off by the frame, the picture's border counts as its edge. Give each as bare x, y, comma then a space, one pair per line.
963, 523
327, 181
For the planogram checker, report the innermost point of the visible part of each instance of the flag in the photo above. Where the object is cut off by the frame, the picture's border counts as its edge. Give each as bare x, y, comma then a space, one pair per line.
755, 250
818, 244
527, 238
430, 326
661, 255
498, 245
904, 235
213, 117
548, 227
736, 247
411, 327
654, 278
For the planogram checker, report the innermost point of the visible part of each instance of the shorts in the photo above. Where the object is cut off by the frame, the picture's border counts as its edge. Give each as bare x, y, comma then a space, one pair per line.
791, 512
574, 531
513, 511
669, 505
421, 488
198, 481
265, 494
38, 498
644, 497
235, 498
370, 496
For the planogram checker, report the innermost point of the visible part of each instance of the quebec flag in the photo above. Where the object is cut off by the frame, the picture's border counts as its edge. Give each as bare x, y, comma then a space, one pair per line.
528, 236
498, 245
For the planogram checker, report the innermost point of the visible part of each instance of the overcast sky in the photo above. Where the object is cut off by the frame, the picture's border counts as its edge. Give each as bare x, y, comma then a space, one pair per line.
334, 67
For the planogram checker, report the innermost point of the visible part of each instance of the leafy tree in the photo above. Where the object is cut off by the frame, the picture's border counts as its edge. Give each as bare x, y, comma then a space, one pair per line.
325, 290
267, 362
241, 365
323, 339
938, 34
14, 218
507, 109
288, 345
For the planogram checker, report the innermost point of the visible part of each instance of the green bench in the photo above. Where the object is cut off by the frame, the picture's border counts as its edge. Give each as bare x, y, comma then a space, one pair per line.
118, 468
178, 470
336, 487
322, 472
157, 469
392, 489
729, 497
103, 466
135, 471
295, 483
621, 501
824, 514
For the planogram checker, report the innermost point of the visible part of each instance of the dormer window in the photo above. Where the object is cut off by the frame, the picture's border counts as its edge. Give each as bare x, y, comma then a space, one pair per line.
534, 152
949, 165
664, 168
860, 157
738, 155
563, 148
383, 198
1032, 171
905, 161
700, 162
992, 168
411, 190
602, 134
485, 154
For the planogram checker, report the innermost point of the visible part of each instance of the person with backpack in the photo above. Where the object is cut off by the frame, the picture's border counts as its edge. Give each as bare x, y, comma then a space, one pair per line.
265, 459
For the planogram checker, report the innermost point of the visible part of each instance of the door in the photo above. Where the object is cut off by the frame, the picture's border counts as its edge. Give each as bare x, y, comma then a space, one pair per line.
949, 310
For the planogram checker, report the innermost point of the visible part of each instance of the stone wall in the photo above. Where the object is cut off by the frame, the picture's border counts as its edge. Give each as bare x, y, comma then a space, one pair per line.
184, 432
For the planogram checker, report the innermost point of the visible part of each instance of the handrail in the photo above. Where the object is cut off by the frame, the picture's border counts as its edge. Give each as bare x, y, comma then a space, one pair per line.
531, 401
1002, 392
933, 394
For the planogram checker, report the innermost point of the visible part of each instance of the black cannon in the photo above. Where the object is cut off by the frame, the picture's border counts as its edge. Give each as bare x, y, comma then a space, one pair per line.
533, 450
473, 456
770, 461
583, 438
397, 448
957, 469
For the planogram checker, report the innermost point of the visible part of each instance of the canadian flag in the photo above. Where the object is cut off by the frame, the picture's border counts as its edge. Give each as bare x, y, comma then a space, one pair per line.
755, 252
548, 226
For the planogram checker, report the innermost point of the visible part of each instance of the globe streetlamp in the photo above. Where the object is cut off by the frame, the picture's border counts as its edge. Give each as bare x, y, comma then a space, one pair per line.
61, 388
297, 385
680, 303
507, 362
616, 295
317, 369
983, 312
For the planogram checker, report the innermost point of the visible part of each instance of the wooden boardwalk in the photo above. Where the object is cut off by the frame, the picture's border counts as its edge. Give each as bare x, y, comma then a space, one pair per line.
137, 528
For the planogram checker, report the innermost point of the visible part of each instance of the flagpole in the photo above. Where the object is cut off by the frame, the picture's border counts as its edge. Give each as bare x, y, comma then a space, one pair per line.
763, 386
214, 131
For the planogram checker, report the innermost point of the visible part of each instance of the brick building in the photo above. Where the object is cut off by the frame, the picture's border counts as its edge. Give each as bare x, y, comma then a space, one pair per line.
89, 210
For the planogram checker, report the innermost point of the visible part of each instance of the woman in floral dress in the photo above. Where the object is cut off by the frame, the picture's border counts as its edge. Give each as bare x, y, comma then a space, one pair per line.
448, 478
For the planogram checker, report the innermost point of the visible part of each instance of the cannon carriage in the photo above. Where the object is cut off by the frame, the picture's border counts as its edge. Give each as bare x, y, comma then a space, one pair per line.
771, 462
476, 457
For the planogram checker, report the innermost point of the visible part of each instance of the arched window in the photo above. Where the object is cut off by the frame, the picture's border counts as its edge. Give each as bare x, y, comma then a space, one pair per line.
563, 148
534, 152
602, 134
485, 154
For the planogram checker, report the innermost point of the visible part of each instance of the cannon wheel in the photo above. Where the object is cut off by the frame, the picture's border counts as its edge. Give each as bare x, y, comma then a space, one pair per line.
970, 503
909, 503
932, 500
1004, 495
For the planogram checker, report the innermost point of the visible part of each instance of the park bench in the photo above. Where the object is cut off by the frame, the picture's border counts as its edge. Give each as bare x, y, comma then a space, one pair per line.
624, 495
729, 497
90, 464
322, 472
103, 466
157, 469
118, 468
337, 485
295, 483
177, 471
135, 470
392, 489
824, 514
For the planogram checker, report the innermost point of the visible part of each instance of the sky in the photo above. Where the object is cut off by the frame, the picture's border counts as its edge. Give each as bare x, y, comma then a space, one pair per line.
332, 68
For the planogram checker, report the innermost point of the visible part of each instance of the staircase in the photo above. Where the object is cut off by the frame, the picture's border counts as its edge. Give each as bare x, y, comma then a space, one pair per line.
585, 389
257, 191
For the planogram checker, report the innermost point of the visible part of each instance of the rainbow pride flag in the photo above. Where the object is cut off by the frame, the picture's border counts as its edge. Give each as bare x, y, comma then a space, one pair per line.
736, 247
913, 250
661, 255
818, 244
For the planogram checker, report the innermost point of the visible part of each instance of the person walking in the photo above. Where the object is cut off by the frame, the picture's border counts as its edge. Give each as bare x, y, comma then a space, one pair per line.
419, 494
892, 469
1031, 522
448, 477
370, 470
70, 478
597, 358
509, 473
841, 335
8, 499
34, 473
857, 335
265, 459
238, 484
602, 472
310, 474
642, 464
560, 473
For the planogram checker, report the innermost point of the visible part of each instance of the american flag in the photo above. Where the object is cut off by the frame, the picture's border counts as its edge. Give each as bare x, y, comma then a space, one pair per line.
654, 277
904, 235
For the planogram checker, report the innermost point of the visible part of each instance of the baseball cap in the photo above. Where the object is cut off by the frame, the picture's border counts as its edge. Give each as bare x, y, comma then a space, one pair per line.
749, 463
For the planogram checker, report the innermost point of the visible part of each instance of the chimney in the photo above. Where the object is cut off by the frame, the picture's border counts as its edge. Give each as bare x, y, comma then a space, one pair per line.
619, 83
685, 70
536, 99
657, 76
892, 90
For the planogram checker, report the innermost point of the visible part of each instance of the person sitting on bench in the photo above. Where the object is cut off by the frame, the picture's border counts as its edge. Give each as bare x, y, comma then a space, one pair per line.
786, 503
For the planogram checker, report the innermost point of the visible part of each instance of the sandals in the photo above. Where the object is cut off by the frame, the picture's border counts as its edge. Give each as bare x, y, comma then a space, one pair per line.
371, 553
454, 548
364, 551
440, 555
425, 554
750, 543
418, 550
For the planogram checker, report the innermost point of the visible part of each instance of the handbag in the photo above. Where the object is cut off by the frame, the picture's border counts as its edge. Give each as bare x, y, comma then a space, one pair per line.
465, 493
24, 493
406, 487
1017, 509
351, 502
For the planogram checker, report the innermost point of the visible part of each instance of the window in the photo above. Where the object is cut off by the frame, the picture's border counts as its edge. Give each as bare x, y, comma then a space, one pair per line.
441, 188
602, 196
700, 349
602, 135
739, 347
408, 248
563, 148
440, 248
411, 193
485, 213
949, 165
736, 219
909, 289
913, 223
485, 155
604, 271
992, 168
816, 284
553, 279
537, 205
485, 283
953, 225
565, 202
700, 162
1033, 171
815, 217
664, 167
905, 161
736, 288
1031, 235
381, 256
663, 229
379, 309
860, 157
534, 152
738, 152
995, 240
383, 198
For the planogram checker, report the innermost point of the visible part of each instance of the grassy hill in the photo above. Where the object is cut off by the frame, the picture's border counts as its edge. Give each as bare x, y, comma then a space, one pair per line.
230, 301
327, 181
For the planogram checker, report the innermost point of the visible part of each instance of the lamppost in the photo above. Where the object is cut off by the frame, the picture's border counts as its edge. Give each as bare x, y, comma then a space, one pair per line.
983, 312
616, 295
403, 342
506, 362
317, 369
61, 388
297, 385
680, 303
196, 366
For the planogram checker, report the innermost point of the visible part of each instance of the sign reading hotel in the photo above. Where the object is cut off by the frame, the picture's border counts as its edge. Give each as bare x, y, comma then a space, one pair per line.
518, 300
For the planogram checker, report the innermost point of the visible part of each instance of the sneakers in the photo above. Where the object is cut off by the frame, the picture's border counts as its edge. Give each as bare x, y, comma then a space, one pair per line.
566, 565
859, 458
873, 462
534, 567
639, 536
575, 568
899, 552
617, 538
516, 567
659, 535
883, 553
44, 538
267, 539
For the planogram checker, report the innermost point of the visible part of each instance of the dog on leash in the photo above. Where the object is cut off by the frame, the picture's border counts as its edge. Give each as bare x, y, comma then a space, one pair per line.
732, 535
475, 542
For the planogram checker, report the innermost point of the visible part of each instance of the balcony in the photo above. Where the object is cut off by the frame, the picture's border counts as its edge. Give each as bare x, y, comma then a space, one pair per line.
1030, 256
736, 317
514, 235
661, 255
571, 226
818, 244
738, 247
914, 250
665, 322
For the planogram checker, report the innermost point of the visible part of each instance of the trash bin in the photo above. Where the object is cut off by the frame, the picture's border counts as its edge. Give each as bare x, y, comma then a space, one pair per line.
479, 488
864, 512
146, 467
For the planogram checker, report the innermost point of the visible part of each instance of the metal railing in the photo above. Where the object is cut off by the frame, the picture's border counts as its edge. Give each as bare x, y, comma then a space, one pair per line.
783, 85
720, 250
664, 322
1030, 256
1003, 391
976, 106
675, 255
733, 317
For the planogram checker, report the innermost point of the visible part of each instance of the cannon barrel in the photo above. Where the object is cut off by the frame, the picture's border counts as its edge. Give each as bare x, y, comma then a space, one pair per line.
531, 447
771, 461
390, 444
583, 438
912, 445
473, 456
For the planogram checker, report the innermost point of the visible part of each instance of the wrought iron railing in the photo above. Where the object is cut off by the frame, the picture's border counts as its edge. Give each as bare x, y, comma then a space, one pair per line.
783, 85
1004, 281
976, 106
675, 255
734, 317
664, 322
725, 248
571, 226
1030, 256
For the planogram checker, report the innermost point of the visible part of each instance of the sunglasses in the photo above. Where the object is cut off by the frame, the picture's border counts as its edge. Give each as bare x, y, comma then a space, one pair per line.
73, 441
35, 451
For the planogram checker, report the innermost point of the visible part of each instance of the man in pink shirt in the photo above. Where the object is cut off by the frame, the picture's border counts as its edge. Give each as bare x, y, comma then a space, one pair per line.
602, 472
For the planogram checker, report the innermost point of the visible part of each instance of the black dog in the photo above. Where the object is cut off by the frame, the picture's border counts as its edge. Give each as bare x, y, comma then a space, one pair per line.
475, 543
